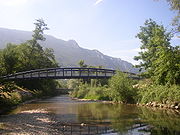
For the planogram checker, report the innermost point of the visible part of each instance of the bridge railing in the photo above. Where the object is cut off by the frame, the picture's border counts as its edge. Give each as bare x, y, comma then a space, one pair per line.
66, 73
62, 73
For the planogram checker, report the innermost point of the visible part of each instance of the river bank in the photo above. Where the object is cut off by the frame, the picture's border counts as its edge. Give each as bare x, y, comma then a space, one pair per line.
174, 106
171, 105
36, 121
124, 90
62, 115
12, 96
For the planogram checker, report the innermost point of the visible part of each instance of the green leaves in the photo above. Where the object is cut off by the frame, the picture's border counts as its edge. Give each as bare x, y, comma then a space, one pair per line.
81, 63
122, 88
27, 56
41, 26
8, 60
158, 57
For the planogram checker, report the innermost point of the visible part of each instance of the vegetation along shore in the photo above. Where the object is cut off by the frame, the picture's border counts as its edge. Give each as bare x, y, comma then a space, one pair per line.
160, 86
26, 56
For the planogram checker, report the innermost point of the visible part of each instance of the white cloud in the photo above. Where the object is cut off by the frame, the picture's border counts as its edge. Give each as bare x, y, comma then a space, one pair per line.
13, 2
97, 2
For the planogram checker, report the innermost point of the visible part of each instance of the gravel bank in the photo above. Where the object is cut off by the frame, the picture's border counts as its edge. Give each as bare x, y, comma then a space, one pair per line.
33, 122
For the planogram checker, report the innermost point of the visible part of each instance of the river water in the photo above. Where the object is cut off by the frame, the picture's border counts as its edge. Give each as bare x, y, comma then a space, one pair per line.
62, 115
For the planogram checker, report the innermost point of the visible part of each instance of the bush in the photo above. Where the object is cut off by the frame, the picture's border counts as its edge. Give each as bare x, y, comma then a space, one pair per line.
88, 91
98, 93
159, 93
10, 99
122, 88
80, 91
73, 83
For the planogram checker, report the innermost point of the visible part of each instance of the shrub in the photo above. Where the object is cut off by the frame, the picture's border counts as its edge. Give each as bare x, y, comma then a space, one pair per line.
80, 91
98, 93
10, 99
122, 88
159, 93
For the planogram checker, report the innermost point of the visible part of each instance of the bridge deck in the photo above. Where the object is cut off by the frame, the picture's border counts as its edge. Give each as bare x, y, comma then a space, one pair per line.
65, 73
62, 73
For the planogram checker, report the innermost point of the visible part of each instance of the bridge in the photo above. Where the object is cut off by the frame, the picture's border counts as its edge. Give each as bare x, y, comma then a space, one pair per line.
64, 73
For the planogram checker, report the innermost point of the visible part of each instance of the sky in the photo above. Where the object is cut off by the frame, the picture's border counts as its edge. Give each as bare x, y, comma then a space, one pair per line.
109, 26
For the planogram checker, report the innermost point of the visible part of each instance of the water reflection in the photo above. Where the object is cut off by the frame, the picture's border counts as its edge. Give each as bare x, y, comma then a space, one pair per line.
73, 117
127, 119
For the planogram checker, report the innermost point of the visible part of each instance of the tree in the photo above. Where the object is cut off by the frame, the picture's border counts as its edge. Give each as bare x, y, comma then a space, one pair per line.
27, 56
82, 64
167, 66
40, 27
158, 57
8, 60
152, 36
39, 57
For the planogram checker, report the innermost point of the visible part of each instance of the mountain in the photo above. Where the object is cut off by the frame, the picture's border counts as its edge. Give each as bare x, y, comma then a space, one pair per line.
67, 53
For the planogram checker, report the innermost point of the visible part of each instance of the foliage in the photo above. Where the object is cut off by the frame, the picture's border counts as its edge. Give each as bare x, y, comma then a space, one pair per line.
62, 83
122, 88
10, 99
80, 91
28, 56
175, 6
82, 64
159, 93
119, 89
99, 93
8, 60
152, 36
73, 83
167, 66
39, 30
11, 94
89, 91
158, 57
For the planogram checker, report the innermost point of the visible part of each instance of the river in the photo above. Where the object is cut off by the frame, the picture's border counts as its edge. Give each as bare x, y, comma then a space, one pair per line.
62, 115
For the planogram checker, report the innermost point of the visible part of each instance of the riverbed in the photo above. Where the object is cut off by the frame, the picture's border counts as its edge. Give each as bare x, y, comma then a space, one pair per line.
63, 115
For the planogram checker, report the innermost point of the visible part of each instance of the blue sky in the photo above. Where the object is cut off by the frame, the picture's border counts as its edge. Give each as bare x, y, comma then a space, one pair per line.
109, 26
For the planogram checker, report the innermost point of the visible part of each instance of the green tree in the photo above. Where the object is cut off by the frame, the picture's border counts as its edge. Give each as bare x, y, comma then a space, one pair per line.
158, 57
167, 66
41, 58
8, 60
27, 56
81, 63
152, 36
